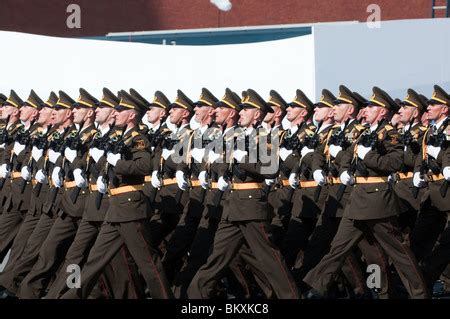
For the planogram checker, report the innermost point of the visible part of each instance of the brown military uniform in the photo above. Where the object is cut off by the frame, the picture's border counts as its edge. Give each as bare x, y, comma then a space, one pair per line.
372, 209
119, 276
14, 210
65, 226
245, 219
126, 221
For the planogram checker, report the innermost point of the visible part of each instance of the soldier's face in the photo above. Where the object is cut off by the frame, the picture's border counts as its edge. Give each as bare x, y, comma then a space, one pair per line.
102, 114
339, 112
79, 114
372, 114
176, 115
406, 114
45, 115
203, 114
122, 117
155, 114
436, 111
293, 112
322, 113
26, 113
59, 116
270, 117
246, 117
221, 115
7, 111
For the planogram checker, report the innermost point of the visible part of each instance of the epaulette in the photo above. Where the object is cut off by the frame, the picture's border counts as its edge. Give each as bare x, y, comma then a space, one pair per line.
336, 126
86, 135
388, 127
360, 127
422, 128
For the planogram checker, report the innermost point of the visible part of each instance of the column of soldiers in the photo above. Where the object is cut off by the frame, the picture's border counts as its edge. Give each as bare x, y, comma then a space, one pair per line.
239, 196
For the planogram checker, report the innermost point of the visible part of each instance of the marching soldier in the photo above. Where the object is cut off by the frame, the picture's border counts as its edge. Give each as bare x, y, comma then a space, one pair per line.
12, 216
307, 202
246, 215
411, 134
126, 221
23, 193
298, 113
156, 132
70, 185
61, 118
119, 276
326, 165
226, 117
171, 196
184, 233
373, 206
432, 166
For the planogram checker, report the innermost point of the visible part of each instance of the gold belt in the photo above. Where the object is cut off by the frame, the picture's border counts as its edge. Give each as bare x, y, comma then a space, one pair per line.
370, 180
405, 175
246, 186
68, 185
93, 187
125, 189
16, 175
195, 183
214, 185
433, 178
148, 178
169, 181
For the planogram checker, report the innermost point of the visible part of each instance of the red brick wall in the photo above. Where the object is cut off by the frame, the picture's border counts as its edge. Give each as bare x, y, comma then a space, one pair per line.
99, 17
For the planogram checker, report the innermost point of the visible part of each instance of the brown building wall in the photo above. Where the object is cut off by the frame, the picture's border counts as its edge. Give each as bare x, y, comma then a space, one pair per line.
99, 17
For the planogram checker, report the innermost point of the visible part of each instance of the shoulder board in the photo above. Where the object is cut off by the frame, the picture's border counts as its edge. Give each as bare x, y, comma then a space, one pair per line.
134, 134
388, 127
422, 128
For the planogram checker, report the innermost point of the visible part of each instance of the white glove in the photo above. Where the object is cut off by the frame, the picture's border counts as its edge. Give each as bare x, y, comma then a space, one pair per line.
18, 148
239, 155
36, 153
156, 183
362, 151
433, 151
70, 154
203, 178
198, 154
306, 150
79, 179
101, 186
318, 177
40, 177
4, 171
181, 181
57, 181
212, 156
418, 181
293, 180
347, 179
269, 182
112, 158
166, 153
53, 156
2, 146
222, 184
334, 150
446, 173
96, 153
284, 153
26, 173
